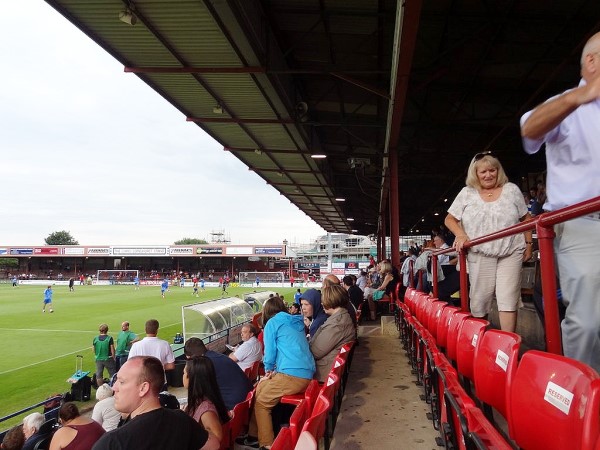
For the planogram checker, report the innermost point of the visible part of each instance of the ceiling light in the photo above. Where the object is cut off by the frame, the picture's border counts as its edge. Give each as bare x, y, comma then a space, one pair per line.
445, 200
258, 151
218, 109
354, 231
436, 213
350, 219
280, 174
340, 199
127, 17
318, 156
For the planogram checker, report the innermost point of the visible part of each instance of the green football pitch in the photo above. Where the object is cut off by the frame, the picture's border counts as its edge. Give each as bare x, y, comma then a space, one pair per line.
39, 349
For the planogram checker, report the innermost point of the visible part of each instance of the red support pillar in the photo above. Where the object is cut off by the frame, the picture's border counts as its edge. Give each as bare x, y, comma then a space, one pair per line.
394, 209
464, 282
548, 275
434, 275
383, 254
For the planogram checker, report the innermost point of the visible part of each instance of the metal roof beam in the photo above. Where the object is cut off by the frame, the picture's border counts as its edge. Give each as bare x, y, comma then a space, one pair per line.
282, 121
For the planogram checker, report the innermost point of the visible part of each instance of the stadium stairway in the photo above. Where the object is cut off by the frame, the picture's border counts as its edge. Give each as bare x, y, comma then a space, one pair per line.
382, 407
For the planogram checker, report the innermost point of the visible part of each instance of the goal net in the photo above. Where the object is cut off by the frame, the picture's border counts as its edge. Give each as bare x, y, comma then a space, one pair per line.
263, 278
116, 276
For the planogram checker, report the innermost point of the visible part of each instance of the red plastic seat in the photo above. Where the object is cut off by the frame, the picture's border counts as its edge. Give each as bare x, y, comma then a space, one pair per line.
240, 417
454, 324
298, 418
442, 331
494, 367
284, 440
435, 313
310, 395
470, 333
482, 434
306, 441
554, 403
316, 423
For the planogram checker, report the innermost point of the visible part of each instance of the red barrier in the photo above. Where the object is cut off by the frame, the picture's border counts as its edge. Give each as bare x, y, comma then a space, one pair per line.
544, 226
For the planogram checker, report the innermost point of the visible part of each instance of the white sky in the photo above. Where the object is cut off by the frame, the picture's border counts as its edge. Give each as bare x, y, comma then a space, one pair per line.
87, 148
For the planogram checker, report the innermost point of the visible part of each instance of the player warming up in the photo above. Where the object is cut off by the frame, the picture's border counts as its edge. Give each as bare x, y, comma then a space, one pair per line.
48, 299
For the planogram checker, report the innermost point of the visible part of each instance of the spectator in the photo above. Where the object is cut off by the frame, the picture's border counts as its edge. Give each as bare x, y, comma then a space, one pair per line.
355, 294
77, 432
361, 281
289, 367
312, 310
295, 309
104, 351
13, 439
390, 279
567, 124
337, 330
153, 346
204, 401
31, 430
104, 411
330, 279
233, 383
406, 267
148, 425
250, 350
124, 341
488, 203
451, 279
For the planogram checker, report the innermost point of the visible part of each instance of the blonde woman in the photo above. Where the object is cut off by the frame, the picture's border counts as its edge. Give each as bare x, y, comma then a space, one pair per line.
488, 203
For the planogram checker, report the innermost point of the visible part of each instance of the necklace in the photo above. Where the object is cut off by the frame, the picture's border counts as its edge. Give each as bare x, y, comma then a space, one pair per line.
490, 194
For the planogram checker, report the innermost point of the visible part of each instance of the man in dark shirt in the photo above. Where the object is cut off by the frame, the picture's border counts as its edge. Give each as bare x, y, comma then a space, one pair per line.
149, 426
233, 383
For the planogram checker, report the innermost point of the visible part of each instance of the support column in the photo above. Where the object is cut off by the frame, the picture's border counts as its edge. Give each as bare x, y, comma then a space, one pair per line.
394, 209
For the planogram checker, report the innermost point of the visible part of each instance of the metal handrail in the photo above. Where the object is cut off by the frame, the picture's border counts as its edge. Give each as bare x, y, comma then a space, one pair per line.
543, 224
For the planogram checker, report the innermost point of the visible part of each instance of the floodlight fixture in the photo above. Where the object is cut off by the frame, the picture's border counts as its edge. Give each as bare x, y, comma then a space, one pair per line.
127, 17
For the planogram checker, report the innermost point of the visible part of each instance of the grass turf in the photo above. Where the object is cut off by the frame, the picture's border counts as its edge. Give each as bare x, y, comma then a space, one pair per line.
39, 349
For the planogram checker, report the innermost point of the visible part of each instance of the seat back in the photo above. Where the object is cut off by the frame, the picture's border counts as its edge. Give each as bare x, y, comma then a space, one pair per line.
435, 313
315, 424
284, 440
44, 442
469, 335
554, 403
311, 394
494, 367
240, 417
454, 323
306, 441
298, 418
442, 331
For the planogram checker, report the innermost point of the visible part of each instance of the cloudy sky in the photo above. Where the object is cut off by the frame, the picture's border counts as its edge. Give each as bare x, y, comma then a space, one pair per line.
89, 149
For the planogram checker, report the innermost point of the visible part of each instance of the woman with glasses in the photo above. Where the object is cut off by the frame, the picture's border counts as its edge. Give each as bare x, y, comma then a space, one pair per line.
488, 203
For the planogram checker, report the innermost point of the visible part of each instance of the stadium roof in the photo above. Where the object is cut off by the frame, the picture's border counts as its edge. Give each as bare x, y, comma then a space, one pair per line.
279, 81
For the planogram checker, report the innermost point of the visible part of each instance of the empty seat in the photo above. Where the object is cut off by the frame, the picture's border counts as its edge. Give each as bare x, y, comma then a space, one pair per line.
554, 403
494, 367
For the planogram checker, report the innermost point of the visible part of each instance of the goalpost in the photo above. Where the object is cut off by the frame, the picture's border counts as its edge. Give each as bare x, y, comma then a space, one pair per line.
248, 279
116, 276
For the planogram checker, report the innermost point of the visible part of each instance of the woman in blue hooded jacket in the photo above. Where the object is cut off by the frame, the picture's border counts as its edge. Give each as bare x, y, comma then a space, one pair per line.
312, 309
289, 367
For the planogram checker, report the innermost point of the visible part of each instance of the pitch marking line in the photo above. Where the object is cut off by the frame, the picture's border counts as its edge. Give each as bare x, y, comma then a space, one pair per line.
56, 357
46, 330
45, 361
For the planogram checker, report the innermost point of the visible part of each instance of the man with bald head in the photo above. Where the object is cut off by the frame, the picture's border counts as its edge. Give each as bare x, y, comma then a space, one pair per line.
330, 280
569, 125
148, 425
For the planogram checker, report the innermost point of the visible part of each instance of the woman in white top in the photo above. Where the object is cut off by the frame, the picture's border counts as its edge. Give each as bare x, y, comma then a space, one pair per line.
488, 203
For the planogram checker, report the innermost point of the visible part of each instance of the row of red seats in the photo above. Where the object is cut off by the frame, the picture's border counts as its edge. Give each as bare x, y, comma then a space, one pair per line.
316, 411
469, 370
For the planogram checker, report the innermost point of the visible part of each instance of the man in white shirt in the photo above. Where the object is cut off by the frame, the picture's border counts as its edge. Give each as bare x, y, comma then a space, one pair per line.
568, 125
153, 346
250, 350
